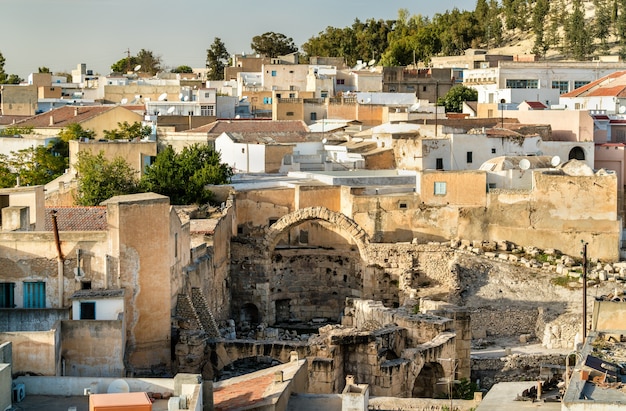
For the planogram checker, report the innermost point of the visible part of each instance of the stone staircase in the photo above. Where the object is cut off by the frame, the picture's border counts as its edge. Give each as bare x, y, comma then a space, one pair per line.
203, 313
186, 312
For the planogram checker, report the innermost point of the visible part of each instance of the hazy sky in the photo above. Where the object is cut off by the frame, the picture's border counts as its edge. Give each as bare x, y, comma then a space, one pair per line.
60, 34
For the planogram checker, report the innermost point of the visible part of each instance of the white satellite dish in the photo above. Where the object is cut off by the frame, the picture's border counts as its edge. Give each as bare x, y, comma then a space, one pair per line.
124, 101
163, 97
524, 164
137, 67
180, 96
556, 160
186, 98
622, 109
371, 62
171, 110
118, 386
324, 140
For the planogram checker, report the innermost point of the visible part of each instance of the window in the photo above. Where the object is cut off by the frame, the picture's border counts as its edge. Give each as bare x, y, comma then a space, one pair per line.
313, 116
207, 95
522, 83
272, 221
207, 110
563, 86
278, 95
88, 310
580, 83
267, 100
490, 113
440, 188
423, 88
402, 205
289, 113
243, 151
341, 81
324, 94
175, 245
273, 73
34, 294
6, 295
493, 151
303, 238
469, 157
292, 95
439, 165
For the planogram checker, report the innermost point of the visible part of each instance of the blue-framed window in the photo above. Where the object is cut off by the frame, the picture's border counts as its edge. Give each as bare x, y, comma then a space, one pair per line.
34, 294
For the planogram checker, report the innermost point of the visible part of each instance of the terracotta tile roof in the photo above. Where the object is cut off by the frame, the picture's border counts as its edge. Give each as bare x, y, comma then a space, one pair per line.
536, 105
64, 116
612, 85
273, 138
8, 120
241, 395
255, 125
78, 218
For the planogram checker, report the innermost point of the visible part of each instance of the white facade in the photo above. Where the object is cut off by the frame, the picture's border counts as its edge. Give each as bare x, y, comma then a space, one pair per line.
105, 308
15, 144
242, 157
534, 81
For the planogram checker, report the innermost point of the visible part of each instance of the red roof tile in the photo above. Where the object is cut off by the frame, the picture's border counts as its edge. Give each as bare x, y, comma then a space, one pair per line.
248, 126
612, 85
77, 218
241, 394
64, 116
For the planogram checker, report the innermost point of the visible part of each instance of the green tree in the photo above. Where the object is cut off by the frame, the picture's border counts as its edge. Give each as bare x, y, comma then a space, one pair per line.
7, 176
7, 78
100, 179
577, 37
540, 12
216, 59
38, 165
74, 131
127, 131
183, 176
272, 44
44, 70
182, 69
602, 23
147, 61
453, 100
621, 28
16, 131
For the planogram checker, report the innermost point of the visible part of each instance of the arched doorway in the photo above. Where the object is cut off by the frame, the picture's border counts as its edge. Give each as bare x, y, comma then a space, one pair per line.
250, 314
577, 153
425, 385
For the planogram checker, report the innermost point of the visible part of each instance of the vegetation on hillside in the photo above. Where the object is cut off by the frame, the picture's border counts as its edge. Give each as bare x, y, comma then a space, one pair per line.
574, 29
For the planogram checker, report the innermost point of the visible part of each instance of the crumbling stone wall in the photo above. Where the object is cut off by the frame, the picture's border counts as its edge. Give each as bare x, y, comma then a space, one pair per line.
514, 367
503, 322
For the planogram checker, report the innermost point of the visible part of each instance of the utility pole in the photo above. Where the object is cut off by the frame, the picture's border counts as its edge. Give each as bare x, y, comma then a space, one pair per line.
584, 291
127, 60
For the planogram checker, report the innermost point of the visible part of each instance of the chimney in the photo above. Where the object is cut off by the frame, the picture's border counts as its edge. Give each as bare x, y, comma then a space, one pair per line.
75, 111
51, 120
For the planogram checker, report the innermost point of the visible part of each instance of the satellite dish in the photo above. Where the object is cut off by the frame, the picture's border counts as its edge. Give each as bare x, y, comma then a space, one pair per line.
186, 98
180, 96
622, 109
124, 101
163, 97
556, 160
137, 67
524, 164
324, 140
118, 386
371, 62
171, 110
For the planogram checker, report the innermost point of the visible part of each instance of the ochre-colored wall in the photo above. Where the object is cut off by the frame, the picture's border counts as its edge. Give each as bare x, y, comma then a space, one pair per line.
144, 249
132, 152
36, 353
79, 340
463, 188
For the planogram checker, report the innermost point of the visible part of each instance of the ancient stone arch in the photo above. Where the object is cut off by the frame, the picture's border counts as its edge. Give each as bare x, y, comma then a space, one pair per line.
341, 221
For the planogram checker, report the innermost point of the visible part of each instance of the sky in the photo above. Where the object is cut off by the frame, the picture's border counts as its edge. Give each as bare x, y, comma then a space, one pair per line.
60, 34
